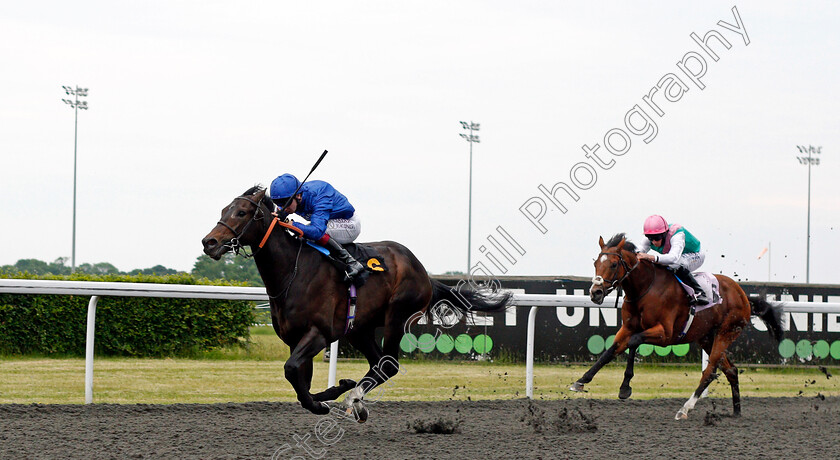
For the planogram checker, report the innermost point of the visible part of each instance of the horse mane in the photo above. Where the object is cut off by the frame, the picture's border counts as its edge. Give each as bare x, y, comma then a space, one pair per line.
628, 245
257, 189
253, 190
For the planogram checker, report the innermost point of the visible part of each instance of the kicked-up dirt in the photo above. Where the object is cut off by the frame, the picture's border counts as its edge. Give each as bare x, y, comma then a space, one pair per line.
801, 428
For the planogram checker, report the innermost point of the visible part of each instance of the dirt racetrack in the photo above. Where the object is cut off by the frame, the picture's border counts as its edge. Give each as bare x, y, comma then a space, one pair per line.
802, 428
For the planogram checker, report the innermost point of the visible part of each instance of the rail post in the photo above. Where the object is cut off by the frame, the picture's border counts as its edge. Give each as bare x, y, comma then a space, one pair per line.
91, 327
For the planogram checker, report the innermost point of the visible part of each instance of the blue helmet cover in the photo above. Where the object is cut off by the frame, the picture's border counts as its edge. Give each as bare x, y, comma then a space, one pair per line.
283, 187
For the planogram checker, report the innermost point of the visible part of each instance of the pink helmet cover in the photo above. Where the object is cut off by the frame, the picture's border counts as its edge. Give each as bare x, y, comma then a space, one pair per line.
655, 225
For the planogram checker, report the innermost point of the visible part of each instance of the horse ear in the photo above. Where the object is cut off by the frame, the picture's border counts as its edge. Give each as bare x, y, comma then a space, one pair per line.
601, 242
621, 243
262, 196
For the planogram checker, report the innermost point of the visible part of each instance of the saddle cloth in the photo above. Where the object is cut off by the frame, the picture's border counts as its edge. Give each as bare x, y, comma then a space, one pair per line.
365, 254
710, 285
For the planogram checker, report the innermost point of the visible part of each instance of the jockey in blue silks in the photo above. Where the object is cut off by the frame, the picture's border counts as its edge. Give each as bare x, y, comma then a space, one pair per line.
332, 219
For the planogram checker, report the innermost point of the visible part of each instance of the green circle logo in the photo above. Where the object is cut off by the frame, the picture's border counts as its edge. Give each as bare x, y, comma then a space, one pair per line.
821, 349
608, 342
595, 344
426, 343
482, 344
787, 348
445, 343
645, 349
681, 349
803, 349
662, 351
463, 343
835, 349
408, 343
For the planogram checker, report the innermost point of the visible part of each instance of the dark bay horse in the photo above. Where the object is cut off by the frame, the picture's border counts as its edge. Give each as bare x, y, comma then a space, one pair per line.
656, 309
309, 299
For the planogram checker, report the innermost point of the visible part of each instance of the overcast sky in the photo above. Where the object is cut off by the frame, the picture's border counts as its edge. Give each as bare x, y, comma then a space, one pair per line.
192, 102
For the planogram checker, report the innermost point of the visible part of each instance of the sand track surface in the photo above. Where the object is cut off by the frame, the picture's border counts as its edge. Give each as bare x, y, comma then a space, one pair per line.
801, 427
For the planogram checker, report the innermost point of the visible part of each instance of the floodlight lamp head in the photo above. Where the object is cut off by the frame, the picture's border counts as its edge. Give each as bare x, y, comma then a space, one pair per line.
475, 126
464, 125
464, 136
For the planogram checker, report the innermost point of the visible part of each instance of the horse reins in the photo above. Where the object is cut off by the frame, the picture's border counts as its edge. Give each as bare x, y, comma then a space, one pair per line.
655, 274
235, 245
285, 292
598, 280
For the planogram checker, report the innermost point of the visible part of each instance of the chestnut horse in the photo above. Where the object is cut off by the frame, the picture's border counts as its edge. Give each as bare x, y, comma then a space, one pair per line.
656, 309
309, 299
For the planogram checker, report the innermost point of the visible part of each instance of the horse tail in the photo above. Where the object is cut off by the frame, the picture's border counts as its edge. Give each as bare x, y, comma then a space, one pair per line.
465, 299
770, 314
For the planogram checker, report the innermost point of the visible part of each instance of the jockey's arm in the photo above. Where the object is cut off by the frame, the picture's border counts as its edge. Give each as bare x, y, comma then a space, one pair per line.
317, 221
677, 247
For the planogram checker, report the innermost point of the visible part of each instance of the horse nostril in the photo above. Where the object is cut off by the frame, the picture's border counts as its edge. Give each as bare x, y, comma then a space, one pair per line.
209, 242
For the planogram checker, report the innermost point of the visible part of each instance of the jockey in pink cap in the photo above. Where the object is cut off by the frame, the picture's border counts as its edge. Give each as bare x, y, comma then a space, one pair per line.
676, 248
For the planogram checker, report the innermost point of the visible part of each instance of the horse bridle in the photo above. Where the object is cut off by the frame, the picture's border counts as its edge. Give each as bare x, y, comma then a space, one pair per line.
234, 244
599, 280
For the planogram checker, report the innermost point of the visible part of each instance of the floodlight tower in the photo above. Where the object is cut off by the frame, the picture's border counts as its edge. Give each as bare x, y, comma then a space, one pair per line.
815, 161
77, 105
471, 139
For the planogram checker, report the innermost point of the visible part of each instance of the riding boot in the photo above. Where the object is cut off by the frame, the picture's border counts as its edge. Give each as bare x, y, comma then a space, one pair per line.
354, 268
685, 275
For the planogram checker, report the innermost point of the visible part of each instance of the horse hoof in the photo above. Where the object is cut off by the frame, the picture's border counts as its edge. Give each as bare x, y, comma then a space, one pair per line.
577, 386
681, 415
347, 383
320, 408
358, 411
625, 393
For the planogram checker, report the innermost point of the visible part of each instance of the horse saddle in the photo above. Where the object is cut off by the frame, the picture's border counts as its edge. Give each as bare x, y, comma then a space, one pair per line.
365, 254
710, 285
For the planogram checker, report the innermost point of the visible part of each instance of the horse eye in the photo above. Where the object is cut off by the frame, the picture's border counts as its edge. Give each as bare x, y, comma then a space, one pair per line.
614, 265
240, 214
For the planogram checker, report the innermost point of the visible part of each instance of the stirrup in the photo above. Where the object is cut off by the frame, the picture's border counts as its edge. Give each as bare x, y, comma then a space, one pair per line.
700, 300
351, 274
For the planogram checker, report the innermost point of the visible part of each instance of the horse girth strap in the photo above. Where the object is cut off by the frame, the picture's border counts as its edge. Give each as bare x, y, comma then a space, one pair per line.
277, 221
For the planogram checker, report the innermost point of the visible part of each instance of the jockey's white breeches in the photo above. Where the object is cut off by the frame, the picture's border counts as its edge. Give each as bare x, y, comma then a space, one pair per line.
345, 230
692, 261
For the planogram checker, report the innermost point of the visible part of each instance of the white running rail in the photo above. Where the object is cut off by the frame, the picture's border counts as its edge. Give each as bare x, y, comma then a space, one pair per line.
100, 289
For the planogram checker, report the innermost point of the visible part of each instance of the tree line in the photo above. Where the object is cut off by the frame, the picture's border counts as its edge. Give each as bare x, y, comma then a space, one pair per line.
228, 268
